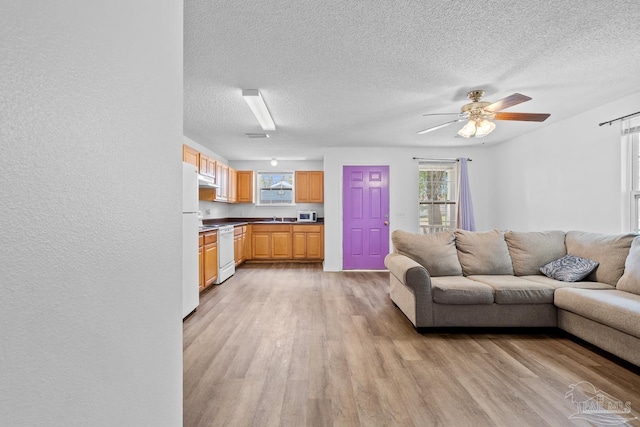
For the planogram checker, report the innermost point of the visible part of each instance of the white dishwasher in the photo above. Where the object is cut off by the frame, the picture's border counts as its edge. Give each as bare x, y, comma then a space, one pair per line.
226, 263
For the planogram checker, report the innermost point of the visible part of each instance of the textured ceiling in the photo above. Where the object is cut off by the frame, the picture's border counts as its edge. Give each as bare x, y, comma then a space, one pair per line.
341, 73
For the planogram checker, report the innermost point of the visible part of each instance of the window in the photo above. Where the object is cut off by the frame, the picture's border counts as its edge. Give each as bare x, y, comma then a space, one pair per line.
437, 187
275, 188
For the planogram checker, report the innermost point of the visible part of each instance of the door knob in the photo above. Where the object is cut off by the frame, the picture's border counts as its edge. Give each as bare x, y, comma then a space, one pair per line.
386, 223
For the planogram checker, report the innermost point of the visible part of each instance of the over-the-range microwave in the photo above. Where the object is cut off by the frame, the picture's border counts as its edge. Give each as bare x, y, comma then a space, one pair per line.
307, 216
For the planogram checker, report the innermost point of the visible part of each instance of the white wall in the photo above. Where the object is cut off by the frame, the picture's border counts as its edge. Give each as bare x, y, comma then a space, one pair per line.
564, 176
90, 183
403, 188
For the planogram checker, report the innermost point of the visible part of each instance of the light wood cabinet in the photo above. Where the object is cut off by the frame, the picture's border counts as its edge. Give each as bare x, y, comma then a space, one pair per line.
210, 258
190, 155
207, 194
260, 244
233, 185
207, 166
308, 242
222, 179
271, 241
287, 242
239, 243
309, 186
244, 188
281, 244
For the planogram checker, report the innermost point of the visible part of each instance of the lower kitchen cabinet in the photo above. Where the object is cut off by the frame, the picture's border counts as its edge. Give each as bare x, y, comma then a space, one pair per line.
239, 244
287, 242
308, 242
210, 258
271, 242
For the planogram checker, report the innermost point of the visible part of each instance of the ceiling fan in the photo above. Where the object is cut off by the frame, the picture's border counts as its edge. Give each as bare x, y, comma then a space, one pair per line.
481, 113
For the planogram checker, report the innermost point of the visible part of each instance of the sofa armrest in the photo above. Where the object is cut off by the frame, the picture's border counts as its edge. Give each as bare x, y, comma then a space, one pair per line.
414, 276
408, 271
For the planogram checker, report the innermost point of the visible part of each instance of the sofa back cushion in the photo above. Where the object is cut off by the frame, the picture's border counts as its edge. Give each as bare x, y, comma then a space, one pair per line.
630, 280
436, 252
531, 250
610, 251
482, 253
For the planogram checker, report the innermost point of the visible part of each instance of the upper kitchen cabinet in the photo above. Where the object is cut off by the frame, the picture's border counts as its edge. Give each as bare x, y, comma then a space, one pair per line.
309, 186
190, 155
207, 166
222, 179
232, 194
244, 189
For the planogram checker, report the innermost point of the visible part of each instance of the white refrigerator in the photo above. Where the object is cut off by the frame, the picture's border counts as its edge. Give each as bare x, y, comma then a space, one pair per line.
190, 289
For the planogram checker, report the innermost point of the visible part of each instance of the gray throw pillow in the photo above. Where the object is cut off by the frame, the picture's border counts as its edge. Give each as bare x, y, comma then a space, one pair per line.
569, 268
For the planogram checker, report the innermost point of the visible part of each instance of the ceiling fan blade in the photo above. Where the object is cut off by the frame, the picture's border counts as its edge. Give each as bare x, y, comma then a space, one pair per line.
525, 117
509, 101
431, 129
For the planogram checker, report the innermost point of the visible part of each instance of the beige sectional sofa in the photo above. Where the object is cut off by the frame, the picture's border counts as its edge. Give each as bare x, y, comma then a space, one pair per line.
493, 279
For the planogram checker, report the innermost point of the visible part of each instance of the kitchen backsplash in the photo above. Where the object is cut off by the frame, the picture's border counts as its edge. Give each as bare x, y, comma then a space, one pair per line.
213, 210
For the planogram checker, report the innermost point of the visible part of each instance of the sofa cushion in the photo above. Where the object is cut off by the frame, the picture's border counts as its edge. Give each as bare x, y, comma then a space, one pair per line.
557, 284
617, 309
436, 252
569, 268
483, 252
531, 250
516, 290
610, 251
460, 290
630, 280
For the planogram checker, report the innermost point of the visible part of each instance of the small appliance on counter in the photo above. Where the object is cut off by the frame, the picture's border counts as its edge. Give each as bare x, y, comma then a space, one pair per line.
307, 216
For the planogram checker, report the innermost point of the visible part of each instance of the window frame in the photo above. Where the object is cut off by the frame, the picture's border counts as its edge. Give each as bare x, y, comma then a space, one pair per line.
260, 173
451, 202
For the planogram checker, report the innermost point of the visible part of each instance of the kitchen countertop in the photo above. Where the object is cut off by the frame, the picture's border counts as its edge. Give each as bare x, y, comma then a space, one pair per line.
220, 223
211, 227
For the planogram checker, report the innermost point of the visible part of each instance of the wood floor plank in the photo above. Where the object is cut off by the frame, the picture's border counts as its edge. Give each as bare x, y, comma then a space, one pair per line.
291, 345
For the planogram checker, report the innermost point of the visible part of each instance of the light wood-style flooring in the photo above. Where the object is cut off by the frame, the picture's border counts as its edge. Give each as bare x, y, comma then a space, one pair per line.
291, 345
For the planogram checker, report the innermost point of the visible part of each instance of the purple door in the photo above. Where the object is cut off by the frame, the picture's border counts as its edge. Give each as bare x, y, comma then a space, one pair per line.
365, 217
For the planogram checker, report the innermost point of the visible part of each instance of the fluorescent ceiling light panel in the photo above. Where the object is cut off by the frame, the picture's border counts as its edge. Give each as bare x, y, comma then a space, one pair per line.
259, 108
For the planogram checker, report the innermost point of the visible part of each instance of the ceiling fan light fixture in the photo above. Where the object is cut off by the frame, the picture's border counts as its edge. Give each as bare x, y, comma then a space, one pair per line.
484, 128
468, 130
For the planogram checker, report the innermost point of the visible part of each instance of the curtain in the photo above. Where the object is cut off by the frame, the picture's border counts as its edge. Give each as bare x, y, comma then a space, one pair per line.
630, 131
465, 217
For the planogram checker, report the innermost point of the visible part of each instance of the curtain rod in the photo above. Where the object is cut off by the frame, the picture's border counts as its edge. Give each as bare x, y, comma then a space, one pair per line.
619, 118
441, 160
